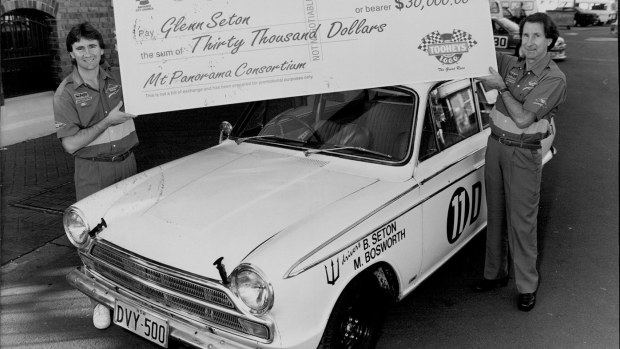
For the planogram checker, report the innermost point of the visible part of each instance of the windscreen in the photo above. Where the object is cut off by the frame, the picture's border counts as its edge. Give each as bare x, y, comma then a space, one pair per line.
373, 124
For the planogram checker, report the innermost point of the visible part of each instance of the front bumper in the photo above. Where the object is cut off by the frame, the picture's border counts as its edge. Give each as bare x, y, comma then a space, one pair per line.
187, 331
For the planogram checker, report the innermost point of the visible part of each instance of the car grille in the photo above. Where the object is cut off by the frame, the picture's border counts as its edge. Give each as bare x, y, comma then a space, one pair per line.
139, 278
122, 261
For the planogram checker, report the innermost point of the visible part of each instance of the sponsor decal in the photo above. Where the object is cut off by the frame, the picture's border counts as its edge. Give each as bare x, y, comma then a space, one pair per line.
81, 98
448, 48
463, 211
334, 275
143, 5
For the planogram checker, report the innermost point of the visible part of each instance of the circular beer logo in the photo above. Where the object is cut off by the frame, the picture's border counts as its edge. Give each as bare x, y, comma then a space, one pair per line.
448, 48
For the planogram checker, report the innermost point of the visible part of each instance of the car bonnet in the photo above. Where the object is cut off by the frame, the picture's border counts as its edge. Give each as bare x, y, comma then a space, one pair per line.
188, 216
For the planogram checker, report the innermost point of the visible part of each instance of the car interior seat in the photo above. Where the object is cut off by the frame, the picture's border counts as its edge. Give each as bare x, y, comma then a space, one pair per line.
389, 123
326, 129
351, 135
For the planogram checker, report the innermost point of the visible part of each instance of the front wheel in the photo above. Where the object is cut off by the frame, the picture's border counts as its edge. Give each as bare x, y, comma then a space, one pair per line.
356, 322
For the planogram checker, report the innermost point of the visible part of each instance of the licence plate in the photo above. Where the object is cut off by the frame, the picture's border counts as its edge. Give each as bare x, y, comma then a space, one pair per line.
142, 323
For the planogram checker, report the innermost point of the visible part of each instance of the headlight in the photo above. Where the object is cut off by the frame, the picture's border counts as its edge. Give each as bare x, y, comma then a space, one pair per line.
250, 286
76, 227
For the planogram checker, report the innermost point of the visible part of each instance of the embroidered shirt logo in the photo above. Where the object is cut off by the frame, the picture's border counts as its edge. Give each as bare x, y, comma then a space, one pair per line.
511, 78
113, 89
531, 85
448, 48
59, 124
541, 102
81, 98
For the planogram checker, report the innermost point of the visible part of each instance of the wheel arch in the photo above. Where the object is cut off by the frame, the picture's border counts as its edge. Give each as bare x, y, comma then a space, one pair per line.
381, 275
379, 283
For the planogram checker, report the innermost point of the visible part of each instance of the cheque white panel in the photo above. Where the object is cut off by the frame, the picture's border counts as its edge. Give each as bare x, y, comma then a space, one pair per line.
181, 54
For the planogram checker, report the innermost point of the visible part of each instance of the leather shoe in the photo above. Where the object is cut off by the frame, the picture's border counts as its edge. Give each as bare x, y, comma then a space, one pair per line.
527, 301
485, 285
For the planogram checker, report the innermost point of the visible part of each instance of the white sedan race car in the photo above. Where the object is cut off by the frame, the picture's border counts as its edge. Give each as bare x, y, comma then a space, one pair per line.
296, 231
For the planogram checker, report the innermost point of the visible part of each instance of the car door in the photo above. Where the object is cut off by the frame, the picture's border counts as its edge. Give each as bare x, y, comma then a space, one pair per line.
450, 169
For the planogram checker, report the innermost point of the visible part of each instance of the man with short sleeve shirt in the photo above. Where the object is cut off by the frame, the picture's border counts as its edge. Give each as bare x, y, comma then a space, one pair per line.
531, 88
92, 126
90, 120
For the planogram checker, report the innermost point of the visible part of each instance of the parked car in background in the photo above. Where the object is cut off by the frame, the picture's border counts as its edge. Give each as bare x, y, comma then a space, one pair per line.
296, 231
506, 35
496, 9
507, 39
528, 6
558, 52
605, 9
581, 17
508, 14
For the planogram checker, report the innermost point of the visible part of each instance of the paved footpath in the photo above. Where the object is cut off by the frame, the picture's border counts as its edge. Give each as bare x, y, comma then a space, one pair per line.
38, 173
29, 168
38, 308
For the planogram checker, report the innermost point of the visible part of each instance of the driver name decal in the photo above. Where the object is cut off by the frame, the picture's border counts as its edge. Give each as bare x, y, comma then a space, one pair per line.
379, 242
365, 250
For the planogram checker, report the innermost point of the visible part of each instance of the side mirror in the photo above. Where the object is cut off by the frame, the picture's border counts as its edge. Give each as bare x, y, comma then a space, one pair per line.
225, 130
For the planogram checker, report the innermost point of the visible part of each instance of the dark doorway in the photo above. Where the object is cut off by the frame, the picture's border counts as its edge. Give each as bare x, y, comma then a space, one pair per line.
25, 51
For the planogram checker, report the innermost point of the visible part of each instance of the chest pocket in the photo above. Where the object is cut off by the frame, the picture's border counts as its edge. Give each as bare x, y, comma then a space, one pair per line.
86, 105
522, 84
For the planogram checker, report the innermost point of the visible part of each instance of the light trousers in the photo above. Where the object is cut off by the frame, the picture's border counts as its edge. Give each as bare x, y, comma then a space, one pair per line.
512, 177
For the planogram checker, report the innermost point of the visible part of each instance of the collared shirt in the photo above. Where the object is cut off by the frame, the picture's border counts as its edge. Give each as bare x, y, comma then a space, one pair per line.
540, 89
78, 106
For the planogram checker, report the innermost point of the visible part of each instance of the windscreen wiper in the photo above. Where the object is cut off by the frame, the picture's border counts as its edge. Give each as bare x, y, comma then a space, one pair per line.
335, 149
279, 138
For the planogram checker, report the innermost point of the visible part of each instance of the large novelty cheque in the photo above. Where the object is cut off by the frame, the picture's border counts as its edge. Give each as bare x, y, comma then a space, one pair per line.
181, 54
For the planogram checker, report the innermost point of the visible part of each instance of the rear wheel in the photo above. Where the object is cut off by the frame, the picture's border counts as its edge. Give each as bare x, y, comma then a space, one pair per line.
356, 322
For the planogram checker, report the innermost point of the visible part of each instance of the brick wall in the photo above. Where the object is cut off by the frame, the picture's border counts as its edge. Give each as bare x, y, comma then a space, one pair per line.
65, 14
71, 12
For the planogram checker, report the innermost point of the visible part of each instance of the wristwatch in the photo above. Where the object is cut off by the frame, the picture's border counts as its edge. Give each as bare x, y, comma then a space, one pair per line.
502, 90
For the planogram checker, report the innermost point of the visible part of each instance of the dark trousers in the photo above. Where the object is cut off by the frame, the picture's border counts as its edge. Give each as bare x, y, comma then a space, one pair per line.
91, 176
512, 177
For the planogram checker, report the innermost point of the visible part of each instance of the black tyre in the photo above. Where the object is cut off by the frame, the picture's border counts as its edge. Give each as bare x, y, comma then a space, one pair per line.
356, 322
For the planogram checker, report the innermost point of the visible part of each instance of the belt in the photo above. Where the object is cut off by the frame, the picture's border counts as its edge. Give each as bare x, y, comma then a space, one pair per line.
114, 158
519, 144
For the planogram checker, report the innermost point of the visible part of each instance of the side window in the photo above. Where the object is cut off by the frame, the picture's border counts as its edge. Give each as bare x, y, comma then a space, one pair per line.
428, 144
486, 100
450, 117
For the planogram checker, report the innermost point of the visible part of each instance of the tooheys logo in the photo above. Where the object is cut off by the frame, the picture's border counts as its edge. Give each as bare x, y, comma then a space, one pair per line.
448, 48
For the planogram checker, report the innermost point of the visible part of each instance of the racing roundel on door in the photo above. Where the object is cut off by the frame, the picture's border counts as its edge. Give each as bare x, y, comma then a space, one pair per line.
463, 211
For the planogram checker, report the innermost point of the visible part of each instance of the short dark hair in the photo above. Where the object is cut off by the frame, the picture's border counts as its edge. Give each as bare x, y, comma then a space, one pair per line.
84, 30
551, 30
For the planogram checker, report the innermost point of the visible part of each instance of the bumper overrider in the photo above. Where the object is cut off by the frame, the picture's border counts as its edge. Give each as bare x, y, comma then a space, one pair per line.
199, 312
